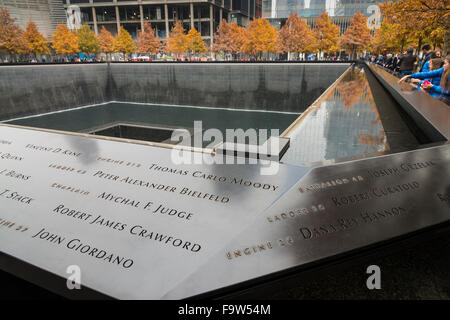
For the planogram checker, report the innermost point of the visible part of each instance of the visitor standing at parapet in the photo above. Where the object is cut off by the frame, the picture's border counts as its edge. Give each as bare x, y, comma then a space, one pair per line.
407, 62
434, 54
426, 49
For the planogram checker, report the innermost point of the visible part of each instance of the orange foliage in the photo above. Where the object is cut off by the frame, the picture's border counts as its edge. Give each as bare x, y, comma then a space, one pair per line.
295, 35
35, 40
195, 43
147, 42
326, 34
124, 43
177, 42
419, 18
64, 41
259, 37
229, 37
106, 41
357, 36
11, 35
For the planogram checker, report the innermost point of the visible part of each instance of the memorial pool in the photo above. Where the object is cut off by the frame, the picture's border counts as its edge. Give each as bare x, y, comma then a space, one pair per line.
343, 122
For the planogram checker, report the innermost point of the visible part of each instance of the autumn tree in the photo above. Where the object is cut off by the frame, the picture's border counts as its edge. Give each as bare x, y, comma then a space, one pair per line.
391, 37
87, 40
36, 42
65, 42
222, 39
229, 38
357, 35
326, 34
295, 36
259, 37
397, 31
106, 41
195, 43
177, 42
124, 43
427, 19
147, 42
11, 35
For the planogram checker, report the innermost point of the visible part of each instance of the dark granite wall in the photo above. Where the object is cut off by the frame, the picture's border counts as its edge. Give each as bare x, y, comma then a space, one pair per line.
31, 90
277, 87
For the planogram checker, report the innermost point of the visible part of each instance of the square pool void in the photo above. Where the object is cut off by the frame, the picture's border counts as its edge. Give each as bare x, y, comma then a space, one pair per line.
157, 123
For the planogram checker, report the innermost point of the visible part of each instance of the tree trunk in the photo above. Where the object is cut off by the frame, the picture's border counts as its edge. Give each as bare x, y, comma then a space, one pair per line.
445, 48
418, 47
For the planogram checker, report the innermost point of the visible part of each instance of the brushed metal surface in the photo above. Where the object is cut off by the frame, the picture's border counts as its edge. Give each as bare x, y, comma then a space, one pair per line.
62, 195
323, 216
270, 225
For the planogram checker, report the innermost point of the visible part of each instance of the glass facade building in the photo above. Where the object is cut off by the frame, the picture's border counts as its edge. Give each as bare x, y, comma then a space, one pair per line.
340, 11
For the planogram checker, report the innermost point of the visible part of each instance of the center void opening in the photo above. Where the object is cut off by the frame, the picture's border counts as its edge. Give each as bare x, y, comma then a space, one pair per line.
135, 132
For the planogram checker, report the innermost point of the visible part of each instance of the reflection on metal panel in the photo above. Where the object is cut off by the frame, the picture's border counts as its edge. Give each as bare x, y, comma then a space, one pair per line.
344, 123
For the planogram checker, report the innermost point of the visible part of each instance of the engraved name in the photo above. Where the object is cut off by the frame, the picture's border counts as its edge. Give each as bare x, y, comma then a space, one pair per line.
14, 174
54, 150
404, 167
342, 224
15, 196
215, 178
9, 156
375, 193
149, 206
80, 247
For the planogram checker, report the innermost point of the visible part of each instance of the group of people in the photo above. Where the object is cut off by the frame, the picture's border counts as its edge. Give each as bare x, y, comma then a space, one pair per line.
433, 71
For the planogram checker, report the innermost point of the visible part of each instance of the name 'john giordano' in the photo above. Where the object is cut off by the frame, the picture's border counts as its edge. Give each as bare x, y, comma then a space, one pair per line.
87, 249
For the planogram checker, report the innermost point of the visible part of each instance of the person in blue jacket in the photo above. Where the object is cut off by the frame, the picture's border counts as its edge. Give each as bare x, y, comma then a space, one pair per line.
435, 64
434, 54
441, 90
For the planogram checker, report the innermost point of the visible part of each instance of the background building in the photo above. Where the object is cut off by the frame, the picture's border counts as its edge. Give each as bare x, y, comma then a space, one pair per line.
340, 11
245, 10
203, 15
45, 13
